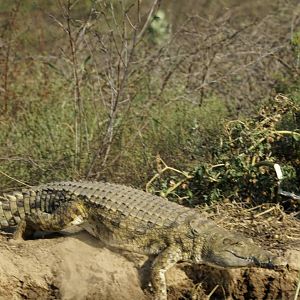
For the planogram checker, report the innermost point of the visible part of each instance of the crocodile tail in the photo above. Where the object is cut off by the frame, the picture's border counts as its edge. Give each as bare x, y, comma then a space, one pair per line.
16, 205
3, 219
13, 208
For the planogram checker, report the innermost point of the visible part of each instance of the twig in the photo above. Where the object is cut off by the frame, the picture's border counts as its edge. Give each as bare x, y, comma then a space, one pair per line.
14, 179
298, 288
163, 170
265, 212
155, 4
287, 132
254, 208
13, 17
212, 292
77, 94
78, 106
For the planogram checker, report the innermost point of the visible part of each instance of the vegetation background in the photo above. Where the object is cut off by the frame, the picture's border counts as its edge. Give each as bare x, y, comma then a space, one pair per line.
194, 99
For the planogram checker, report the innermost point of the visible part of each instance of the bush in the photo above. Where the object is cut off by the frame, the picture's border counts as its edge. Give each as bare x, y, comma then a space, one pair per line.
242, 168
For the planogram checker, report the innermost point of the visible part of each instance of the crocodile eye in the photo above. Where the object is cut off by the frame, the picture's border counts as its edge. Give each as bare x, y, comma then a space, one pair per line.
194, 232
227, 241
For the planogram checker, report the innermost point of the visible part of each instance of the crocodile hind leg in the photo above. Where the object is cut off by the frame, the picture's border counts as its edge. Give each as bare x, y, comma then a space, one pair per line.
67, 214
22, 231
164, 261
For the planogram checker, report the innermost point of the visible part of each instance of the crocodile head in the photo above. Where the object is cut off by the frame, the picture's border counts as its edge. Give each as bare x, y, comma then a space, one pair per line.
231, 250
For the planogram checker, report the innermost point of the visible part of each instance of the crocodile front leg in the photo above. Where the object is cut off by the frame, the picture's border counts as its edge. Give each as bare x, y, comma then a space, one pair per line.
164, 261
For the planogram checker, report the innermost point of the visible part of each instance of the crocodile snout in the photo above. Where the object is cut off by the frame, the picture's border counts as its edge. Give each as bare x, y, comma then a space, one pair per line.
270, 261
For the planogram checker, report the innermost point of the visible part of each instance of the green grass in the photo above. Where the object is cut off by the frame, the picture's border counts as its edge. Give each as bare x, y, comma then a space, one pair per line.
37, 135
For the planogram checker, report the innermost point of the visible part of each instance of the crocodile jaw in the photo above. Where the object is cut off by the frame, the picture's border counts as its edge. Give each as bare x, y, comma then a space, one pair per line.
228, 259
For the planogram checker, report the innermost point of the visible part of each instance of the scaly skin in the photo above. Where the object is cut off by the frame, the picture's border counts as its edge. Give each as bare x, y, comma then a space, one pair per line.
130, 219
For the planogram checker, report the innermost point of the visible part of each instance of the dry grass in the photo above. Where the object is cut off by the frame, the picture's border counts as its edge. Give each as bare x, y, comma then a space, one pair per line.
267, 223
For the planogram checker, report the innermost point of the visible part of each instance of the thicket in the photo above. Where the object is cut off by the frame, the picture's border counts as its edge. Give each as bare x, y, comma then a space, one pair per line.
102, 89
242, 165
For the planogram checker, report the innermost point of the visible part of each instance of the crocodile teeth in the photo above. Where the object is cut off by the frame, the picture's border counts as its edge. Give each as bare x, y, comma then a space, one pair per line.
77, 221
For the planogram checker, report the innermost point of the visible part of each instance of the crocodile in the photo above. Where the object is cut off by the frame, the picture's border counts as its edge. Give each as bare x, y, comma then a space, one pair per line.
129, 219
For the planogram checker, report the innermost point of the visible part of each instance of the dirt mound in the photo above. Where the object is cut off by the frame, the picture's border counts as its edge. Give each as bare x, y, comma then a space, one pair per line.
66, 267
74, 265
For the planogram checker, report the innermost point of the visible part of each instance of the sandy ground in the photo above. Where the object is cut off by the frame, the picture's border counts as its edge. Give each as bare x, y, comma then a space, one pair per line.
74, 265
65, 267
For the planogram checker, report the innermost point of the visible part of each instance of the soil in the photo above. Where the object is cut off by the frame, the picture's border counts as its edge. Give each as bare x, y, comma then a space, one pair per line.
74, 265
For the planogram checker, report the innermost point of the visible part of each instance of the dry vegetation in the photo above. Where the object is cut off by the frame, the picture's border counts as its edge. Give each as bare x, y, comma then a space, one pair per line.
94, 89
